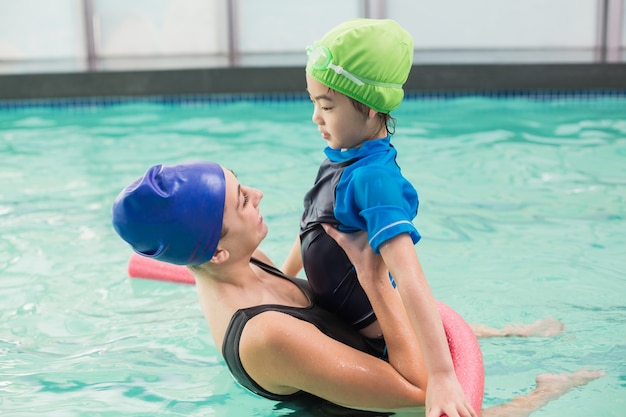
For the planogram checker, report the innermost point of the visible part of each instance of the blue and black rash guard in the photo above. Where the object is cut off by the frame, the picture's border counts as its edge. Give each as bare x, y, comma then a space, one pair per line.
325, 321
356, 189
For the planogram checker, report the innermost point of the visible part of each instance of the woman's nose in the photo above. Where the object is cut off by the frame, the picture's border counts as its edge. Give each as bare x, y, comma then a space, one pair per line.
258, 195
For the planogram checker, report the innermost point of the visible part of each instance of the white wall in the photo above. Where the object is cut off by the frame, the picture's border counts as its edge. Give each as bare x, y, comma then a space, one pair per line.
159, 27
289, 26
41, 29
497, 24
55, 29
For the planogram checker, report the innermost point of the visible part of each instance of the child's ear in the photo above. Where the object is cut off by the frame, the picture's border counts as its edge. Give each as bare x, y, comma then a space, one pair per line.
372, 114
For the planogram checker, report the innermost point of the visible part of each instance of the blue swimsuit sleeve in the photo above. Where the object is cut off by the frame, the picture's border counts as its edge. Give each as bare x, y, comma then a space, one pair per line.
387, 203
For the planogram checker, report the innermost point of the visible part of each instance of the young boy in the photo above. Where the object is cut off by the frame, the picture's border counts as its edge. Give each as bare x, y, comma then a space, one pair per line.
355, 75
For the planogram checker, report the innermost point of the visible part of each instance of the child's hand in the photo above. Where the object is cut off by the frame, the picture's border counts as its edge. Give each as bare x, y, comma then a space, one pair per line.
444, 396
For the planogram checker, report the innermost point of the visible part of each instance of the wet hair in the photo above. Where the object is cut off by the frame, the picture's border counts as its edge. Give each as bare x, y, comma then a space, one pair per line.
385, 119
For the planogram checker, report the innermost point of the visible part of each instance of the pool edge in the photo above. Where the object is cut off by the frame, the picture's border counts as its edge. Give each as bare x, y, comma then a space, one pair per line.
460, 79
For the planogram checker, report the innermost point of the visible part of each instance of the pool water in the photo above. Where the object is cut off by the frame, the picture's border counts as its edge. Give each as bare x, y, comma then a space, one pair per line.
523, 216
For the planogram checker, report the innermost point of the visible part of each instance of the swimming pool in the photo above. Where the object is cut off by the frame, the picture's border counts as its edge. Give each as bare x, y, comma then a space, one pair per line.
523, 213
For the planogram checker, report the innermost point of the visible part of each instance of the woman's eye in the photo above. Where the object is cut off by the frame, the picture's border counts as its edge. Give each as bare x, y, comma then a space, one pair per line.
245, 199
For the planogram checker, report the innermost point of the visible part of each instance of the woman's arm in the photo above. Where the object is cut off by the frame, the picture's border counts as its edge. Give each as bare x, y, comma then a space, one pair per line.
293, 263
444, 393
285, 355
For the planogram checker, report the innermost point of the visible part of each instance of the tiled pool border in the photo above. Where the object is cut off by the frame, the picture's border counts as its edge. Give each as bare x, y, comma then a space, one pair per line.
92, 103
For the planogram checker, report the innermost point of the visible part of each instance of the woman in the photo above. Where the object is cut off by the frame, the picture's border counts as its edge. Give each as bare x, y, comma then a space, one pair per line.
275, 340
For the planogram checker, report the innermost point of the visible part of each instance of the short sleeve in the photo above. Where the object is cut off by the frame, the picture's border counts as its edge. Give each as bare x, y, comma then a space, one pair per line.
386, 202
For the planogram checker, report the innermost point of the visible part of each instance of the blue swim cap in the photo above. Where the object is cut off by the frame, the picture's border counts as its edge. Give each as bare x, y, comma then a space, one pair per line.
173, 213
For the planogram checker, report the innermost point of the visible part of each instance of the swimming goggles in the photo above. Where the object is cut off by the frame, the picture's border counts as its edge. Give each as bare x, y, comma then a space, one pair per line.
321, 59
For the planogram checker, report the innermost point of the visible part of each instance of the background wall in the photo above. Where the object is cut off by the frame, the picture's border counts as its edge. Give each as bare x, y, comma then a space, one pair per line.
79, 35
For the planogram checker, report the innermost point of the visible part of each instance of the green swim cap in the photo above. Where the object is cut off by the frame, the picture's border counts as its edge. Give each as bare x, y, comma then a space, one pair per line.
368, 60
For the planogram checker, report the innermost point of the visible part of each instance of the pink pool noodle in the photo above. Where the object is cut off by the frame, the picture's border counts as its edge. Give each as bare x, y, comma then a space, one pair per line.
142, 267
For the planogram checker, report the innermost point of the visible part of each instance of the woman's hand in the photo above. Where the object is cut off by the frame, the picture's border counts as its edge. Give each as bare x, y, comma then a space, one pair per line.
368, 265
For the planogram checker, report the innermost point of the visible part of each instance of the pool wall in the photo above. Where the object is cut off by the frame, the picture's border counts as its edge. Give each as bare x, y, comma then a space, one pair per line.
457, 78
103, 48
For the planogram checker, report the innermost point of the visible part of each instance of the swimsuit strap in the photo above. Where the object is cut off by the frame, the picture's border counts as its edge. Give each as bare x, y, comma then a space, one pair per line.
268, 268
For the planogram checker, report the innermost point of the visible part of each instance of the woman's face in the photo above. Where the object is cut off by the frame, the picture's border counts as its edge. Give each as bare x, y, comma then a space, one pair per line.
243, 222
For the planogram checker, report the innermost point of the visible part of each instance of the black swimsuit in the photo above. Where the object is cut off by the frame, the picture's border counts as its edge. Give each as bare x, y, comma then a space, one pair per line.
330, 273
325, 321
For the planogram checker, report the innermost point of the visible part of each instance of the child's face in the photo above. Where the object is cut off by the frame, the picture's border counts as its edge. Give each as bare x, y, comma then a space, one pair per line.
339, 122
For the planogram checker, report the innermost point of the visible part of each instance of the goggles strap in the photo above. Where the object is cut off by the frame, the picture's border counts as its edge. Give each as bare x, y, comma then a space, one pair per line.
339, 70
315, 53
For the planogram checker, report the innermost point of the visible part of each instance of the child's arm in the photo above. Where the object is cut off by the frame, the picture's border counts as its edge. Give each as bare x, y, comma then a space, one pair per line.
402, 346
382, 198
293, 263
444, 393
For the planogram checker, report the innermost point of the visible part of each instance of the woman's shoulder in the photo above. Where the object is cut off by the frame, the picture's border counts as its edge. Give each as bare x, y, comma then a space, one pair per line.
271, 328
278, 342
